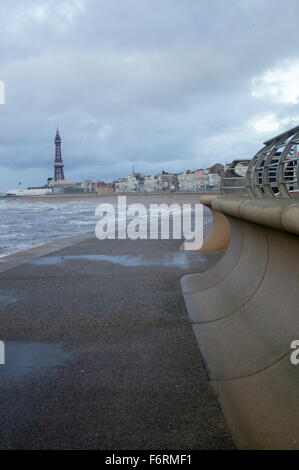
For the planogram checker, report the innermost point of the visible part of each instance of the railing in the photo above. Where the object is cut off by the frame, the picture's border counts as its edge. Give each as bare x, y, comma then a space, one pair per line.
273, 171
233, 180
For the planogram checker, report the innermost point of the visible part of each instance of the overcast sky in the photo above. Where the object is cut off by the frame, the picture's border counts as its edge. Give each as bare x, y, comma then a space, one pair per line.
159, 84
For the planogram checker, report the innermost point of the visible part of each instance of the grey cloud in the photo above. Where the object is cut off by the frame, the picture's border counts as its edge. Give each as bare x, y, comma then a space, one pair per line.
159, 84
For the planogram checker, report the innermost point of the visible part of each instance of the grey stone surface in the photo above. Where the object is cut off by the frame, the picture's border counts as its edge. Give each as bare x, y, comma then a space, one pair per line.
126, 372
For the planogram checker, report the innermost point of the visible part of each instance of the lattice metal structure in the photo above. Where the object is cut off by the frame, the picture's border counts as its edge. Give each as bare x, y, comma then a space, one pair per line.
233, 180
273, 171
58, 164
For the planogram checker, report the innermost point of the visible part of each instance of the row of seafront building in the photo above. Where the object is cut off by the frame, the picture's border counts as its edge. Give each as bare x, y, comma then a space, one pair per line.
188, 180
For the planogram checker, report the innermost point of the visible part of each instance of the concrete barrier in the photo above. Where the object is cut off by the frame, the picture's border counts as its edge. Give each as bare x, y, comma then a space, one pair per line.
244, 313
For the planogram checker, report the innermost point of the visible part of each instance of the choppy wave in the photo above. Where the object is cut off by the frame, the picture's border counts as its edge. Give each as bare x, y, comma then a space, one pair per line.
27, 225
80, 222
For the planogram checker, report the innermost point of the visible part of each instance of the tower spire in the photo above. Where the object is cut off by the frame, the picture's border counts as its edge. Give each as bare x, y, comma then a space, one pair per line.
58, 164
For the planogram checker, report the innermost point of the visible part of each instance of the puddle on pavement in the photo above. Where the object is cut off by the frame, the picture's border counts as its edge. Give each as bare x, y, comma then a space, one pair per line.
7, 298
180, 260
22, 358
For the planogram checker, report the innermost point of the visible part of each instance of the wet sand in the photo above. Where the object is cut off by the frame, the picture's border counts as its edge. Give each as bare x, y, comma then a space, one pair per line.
112, 197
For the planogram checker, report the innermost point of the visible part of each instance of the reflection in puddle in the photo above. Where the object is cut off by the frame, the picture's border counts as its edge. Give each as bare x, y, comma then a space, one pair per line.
8, 298
22, 358
181, 260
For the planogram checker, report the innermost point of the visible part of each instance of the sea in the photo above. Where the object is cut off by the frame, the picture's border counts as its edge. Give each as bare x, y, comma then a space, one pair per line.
25, 225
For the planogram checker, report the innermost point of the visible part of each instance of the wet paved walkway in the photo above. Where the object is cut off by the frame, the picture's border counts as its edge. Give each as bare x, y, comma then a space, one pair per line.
100, 353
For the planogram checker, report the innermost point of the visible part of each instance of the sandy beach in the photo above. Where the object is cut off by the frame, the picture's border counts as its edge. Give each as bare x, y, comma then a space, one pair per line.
131, 197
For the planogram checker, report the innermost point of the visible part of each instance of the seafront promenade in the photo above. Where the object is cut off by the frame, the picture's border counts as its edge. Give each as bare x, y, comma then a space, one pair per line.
100, 353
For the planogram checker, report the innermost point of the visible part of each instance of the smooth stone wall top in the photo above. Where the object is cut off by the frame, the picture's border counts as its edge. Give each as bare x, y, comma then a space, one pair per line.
281, 214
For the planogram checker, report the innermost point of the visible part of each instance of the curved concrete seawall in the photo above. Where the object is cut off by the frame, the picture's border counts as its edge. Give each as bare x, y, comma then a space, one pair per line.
244, 312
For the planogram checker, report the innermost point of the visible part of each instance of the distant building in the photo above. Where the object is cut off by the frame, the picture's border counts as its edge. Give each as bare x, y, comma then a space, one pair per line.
167, 182
97, 186
90, 186
62, 186
186, 181
201, 179
151, 183
29, 192
135, 183
108, 189
218, 168
214, 181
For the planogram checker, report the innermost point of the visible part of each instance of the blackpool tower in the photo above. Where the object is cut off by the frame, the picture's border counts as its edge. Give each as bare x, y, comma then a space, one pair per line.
58, 164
